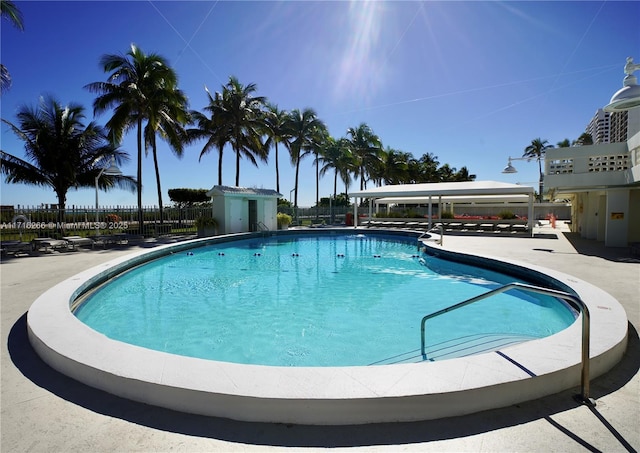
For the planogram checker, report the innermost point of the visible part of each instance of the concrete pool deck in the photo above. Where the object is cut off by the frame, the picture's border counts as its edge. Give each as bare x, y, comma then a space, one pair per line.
45, 411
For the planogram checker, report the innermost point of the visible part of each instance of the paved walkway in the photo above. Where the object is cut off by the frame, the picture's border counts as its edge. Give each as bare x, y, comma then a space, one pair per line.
43, 411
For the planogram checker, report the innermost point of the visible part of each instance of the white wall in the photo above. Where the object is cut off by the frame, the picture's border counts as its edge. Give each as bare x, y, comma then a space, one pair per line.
617, 213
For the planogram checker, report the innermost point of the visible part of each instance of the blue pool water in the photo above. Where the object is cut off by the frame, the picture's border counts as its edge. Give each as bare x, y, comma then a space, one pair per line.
335, 300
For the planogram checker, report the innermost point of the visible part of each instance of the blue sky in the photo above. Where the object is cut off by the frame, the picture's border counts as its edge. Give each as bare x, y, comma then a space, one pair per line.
470, 82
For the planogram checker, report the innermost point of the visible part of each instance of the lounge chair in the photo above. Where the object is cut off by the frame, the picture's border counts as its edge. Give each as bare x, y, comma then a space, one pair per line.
77, 241
14, 247
48, 244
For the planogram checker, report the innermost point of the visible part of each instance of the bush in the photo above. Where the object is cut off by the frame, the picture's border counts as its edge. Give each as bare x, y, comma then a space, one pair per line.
446, 215
506, 215
206, 221
283, 219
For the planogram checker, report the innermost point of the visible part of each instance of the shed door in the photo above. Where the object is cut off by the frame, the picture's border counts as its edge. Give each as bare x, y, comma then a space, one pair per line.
253, 215
235, 214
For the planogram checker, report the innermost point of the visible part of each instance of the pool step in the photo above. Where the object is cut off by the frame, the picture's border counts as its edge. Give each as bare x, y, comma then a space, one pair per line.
459, 347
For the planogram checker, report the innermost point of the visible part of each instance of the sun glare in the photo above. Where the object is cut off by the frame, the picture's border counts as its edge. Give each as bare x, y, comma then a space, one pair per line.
361, 72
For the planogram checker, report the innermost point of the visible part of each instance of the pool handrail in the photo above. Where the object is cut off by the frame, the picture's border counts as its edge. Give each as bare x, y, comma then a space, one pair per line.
586, 320
439, 227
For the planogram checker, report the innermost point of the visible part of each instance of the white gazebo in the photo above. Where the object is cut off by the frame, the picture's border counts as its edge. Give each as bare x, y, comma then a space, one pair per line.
449, 192
242, 209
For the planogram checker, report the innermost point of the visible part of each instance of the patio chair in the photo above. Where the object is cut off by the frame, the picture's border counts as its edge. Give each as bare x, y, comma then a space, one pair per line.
78, 241
48, 244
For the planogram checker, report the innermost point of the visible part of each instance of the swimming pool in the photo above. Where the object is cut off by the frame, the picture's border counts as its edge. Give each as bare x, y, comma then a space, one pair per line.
326, 300
324, 395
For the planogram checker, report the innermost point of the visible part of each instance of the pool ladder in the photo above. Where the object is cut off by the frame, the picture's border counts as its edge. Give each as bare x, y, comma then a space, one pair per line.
586, 321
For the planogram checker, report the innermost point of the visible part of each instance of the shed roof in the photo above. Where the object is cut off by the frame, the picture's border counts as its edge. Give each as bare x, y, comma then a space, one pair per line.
243, 191
467, 190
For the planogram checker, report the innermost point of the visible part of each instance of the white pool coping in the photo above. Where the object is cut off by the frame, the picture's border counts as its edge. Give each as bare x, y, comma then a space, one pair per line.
322, 395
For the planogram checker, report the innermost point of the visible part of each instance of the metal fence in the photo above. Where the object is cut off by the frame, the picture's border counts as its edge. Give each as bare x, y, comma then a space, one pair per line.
26, 222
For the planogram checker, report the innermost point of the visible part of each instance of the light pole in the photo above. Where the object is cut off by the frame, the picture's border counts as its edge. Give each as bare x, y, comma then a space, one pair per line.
510, 169
111, 171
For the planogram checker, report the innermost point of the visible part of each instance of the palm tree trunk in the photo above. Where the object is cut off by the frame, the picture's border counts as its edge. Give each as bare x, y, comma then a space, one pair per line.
317, 188
220, 167
295, 199
237, 168
62, 201
157, 169
335, 196
277, 170
139, 176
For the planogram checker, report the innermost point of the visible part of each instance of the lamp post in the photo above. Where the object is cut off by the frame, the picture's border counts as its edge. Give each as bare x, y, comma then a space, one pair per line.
510, 169
111, 171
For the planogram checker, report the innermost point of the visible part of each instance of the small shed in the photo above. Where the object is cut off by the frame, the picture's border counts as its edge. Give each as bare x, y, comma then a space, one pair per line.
242, 209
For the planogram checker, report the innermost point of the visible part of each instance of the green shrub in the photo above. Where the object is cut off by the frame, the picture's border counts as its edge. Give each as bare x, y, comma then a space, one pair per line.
283, 219
446, 215
506, 215
206, 221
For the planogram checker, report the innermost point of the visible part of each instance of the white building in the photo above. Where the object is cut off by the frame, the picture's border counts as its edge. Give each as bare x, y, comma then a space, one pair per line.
241, 209
603, 183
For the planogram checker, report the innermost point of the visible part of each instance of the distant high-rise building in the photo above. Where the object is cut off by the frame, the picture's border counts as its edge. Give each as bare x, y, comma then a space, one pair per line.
599, 127
607, 127
619, 127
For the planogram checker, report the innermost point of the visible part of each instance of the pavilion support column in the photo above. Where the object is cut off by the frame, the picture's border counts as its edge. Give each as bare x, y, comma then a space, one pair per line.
430, 214
530, 215
355, 214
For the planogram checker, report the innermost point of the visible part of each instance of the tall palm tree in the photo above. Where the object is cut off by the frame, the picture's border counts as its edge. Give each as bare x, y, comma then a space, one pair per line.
394, 168
331, 156
60, 151
9, 11
347, 166
168, 115
274, 126
217, 135
305, 131
564, 143
130, 89
366, 147
536, 150
241, 112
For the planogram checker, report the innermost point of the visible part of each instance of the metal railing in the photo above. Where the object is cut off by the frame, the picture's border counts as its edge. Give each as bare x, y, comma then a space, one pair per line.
441, 231
586, 321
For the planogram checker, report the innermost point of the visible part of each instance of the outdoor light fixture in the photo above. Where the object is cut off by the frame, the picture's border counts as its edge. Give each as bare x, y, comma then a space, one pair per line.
509, 168
111, 171
628, 96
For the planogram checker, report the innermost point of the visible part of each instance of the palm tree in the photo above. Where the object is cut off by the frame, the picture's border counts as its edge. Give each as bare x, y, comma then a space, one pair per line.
305, 131
61, 152
394, 167
208, 127
366, 147
564, 143
584, 139
9, 10
131, 90
274, 122
167, 116
240, 112
536, 150
330, 157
